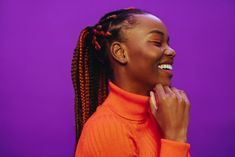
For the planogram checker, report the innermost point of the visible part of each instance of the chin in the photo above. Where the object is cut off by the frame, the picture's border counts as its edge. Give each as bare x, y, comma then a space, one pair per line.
166, 82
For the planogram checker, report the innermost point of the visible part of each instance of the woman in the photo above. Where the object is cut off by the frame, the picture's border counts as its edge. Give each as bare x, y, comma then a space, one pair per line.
119, 65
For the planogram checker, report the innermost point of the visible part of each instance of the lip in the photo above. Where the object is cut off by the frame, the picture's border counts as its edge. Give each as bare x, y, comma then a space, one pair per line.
171, 62
169, 72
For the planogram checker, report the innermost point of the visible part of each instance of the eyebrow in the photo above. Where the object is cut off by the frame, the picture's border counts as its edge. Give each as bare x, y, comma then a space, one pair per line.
155, 31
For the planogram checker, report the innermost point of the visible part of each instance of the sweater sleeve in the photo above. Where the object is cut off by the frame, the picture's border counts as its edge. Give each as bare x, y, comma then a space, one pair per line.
105, 136
174, 149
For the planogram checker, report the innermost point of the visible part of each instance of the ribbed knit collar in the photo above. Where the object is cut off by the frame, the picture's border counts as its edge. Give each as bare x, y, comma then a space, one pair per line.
126, 104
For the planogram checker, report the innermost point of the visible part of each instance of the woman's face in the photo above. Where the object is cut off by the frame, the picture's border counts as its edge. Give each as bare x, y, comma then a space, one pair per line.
150, 57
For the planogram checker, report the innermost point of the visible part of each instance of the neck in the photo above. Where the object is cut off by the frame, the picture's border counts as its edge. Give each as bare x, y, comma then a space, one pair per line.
132, 86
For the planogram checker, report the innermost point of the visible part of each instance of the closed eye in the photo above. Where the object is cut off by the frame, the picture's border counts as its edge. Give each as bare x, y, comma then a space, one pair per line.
158, 44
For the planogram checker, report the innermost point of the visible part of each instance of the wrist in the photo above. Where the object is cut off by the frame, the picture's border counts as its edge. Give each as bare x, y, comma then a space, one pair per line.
178, 139
174, 136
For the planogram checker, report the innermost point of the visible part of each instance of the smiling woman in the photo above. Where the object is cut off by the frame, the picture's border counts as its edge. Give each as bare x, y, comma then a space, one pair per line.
116, 65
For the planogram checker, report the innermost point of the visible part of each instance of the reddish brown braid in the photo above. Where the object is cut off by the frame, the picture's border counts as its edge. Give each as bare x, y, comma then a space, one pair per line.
78, 81
99, 33
90, 65
84, 78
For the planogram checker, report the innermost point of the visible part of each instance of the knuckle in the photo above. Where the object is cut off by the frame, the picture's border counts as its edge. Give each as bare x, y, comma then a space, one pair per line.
180, 100
164, 98
181, 91
173, 88
188, 104
173, 96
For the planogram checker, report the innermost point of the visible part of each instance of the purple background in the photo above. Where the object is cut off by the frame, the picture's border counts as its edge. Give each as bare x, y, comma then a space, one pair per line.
37, 39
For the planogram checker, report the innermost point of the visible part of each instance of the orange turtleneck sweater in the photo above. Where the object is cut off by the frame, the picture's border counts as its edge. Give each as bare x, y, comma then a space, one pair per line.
123, 126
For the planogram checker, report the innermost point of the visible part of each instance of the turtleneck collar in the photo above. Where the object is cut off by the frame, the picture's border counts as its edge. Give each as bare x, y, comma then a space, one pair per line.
128, 105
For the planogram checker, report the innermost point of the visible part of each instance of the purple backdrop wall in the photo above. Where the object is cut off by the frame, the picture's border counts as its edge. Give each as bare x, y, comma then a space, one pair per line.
36, 45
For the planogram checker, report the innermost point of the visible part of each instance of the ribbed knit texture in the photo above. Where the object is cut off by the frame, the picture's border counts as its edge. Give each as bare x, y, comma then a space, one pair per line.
123, 126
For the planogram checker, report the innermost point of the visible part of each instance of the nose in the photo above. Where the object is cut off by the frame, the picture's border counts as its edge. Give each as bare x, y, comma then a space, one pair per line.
170, 52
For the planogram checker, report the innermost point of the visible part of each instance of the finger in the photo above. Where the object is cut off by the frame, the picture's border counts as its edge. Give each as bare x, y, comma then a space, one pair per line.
186, 100
184, 96
153, 103
187, 107
177, 93
168, 90
159, 90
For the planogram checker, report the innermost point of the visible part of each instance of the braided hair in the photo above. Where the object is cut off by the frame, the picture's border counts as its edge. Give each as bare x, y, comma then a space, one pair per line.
90, 64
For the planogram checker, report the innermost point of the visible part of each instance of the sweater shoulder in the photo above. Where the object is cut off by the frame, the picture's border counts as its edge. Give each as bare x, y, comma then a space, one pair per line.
105, 132
103, 116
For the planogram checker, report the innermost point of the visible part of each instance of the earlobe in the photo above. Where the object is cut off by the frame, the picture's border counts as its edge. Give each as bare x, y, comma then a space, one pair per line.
118, 52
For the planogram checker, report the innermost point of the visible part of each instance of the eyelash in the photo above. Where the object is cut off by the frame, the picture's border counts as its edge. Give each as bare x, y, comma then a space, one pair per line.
158, 44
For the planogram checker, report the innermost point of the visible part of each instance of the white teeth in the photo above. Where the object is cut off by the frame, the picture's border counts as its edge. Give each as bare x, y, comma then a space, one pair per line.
165, 66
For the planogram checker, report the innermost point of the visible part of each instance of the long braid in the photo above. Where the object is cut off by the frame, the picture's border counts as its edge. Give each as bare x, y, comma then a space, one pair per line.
78, 80
89, 79
90, 64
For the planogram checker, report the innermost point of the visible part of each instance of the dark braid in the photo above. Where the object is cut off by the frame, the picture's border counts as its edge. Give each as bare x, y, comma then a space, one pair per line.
90, 64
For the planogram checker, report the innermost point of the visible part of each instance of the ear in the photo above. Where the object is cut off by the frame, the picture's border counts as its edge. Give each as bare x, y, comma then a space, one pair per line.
118, 52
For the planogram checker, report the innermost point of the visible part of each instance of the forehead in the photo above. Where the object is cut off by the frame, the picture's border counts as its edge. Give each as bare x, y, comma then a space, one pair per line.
146, 23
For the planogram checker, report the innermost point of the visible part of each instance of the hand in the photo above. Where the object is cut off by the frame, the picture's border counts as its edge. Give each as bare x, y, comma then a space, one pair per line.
171, 112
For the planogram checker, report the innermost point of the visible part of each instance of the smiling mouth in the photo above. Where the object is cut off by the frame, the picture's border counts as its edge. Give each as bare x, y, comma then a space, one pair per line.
165, 66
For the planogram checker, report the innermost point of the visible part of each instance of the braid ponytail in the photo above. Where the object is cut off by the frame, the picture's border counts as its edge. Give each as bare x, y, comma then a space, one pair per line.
89, 80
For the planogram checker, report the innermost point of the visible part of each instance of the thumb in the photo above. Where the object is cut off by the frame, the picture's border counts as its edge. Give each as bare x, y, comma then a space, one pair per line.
153, 103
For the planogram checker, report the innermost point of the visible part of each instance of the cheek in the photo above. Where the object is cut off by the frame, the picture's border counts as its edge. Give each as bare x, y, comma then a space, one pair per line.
146, 60
151, 56
148, 53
